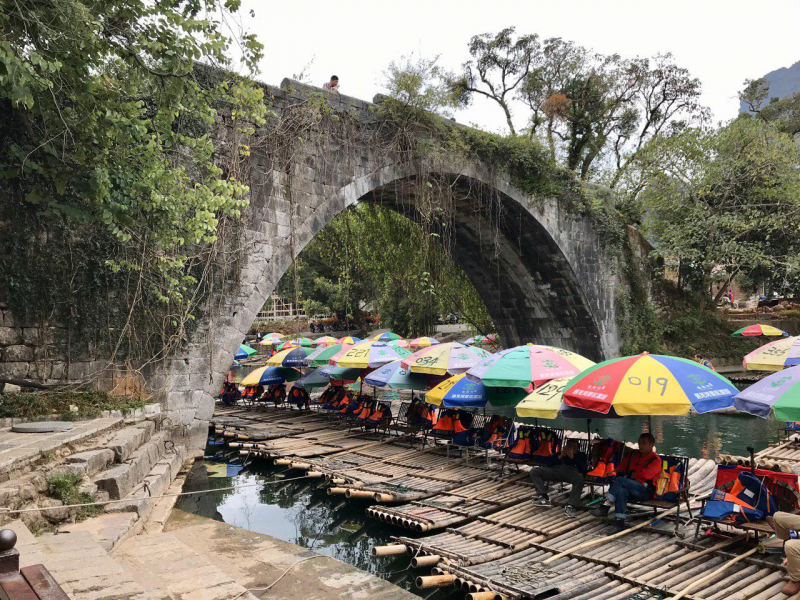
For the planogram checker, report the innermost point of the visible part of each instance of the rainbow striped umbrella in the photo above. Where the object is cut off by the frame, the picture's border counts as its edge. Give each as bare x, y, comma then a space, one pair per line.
759, 330
523, 366
368, 355
422, 342
459, 392
243, 352
442, 359
325, 340
322, 356
385, 337
291, 357
778, 393
270, 376
393, 376
650, 384
272, 339
349, 339
775, 356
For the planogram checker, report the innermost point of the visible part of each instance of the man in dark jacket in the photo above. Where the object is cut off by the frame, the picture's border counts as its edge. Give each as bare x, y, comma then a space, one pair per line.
571, 468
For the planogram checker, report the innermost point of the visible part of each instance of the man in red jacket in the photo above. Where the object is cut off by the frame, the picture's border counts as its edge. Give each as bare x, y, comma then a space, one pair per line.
634, 480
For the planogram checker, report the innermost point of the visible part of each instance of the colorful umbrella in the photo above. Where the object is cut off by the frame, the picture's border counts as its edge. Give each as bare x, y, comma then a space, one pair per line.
349, 339
547, 402
442, 359
385, 337
291, 357
528, 365
759, 330
775, 355
399, 343
321, 356
302, 341
650, 384
460, 392
313, 379
243, 352
779, 392
394, 377
341, 375
368, 355
422, 342
270, 376
325, 340
272, 339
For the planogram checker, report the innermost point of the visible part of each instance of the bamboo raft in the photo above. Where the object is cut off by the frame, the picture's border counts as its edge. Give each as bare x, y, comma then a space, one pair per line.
454, 507
493, 536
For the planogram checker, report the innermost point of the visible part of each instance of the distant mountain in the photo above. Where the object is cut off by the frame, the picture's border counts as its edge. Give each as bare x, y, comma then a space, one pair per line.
782, 82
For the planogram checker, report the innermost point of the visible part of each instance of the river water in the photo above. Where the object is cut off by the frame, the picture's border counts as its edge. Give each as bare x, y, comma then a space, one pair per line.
298, 512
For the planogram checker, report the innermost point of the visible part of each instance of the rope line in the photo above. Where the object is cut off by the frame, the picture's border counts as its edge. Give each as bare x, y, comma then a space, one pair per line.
6, 511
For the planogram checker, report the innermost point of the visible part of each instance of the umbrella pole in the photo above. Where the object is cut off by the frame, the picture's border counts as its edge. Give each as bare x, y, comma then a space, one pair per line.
752, 452
649, 424
589, 432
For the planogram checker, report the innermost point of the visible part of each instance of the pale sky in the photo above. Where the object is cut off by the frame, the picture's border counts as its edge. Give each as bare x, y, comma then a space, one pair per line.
722, 42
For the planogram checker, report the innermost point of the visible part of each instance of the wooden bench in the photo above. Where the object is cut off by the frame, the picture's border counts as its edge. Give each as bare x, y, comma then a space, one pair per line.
29, 583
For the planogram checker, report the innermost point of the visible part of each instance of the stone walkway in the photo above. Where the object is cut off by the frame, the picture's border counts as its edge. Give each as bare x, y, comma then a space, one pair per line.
17, 450
256, 561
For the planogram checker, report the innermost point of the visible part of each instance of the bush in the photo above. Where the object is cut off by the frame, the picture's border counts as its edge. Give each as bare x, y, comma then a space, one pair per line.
66, 488
27, 405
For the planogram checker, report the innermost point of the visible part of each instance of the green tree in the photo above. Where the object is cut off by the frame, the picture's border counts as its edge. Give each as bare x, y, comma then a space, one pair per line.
723, 203
498, 66
109, 123
371, 257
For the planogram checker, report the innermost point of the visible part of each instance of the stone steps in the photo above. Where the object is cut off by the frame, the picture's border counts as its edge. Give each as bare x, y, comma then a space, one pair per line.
80, 565
164, 565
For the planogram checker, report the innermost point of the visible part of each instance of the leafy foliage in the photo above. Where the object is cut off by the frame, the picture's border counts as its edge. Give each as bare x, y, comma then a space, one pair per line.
110, 137
59, 403
371, 257
724, 200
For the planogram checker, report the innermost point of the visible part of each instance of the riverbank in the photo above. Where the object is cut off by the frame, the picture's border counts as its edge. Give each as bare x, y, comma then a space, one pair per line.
289, 571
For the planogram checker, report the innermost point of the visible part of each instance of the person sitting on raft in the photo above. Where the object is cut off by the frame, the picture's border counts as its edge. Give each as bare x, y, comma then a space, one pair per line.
633, 480
787, 528
571, 468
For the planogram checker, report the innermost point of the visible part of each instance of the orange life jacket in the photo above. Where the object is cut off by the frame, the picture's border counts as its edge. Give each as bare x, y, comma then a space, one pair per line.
376, 415
547, 445
458, 426
606, 461
445, 423
341, 404
364, 412
521, 450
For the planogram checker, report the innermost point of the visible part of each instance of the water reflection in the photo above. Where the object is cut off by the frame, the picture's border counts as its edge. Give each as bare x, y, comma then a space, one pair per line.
298, 512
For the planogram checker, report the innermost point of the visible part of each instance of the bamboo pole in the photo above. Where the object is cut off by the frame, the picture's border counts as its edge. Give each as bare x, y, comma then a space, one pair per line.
389, 550
710, 576
608, 538
435, 581
690, 557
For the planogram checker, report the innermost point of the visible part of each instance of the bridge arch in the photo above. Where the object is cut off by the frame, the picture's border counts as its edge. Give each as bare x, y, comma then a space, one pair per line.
542, 271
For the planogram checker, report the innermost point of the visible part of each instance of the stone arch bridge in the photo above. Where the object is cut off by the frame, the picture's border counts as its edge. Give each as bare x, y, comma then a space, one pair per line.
544, 273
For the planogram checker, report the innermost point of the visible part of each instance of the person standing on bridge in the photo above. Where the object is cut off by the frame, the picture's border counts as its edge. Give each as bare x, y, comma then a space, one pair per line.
332, 86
